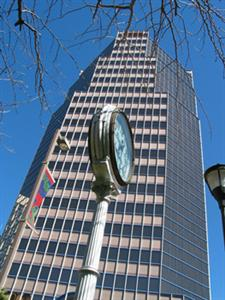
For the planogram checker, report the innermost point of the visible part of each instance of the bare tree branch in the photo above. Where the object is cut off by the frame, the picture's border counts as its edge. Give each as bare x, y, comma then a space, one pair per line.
26, 25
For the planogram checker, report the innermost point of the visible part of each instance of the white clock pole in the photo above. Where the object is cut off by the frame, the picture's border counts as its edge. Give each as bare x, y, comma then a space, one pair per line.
89, 272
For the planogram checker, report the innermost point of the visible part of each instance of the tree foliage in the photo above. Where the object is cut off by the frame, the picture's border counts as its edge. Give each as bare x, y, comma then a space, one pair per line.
28, 27
3, 295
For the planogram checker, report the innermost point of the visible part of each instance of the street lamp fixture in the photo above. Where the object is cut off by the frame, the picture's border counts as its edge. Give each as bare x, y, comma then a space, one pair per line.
215, 179
63, 143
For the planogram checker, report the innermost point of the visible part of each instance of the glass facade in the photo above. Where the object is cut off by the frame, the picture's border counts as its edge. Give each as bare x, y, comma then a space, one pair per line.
155, 243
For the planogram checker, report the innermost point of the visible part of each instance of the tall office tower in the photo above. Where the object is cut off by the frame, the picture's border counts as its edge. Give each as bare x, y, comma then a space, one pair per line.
155, 244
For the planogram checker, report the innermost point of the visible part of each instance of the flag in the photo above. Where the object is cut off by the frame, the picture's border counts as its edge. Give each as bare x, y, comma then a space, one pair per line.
46, 182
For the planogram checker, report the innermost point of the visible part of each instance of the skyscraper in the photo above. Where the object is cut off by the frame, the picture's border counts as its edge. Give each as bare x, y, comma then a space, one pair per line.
155, 244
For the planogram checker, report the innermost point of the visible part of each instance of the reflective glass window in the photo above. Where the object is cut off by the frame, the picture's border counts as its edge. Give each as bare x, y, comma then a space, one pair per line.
34, 272
147, 231
81, 251
14, 269
42, 246
32, 245
58, 224
23, 244
54, 274
156, 257
71, 250
139, 208
51, 247
77, 226
137, 230
67, 225
46, 202
87, 227
131, 283
61, 248
129, 208
142, 283
108, 281
55, 203
44, 273
103, 253
145, 256
123, 256
112, 253
157, 232
73, 204
82, 205
65, 275
126, 230
116, 229
159, 209
154, 285
74, 278
40, 222
134, 255
120, 282
149, 209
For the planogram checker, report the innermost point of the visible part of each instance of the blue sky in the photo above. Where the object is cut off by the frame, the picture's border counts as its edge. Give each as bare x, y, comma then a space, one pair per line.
22, 129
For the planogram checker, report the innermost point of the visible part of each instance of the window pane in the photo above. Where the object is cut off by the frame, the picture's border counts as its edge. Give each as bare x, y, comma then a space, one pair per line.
77, 226
112, 253
64, 203
49, 223
157, 232
65, 276
55, 202
44, 273
131, 283
74, 279
142, 283
58, 224
123, 255
51, 247
42, 246
147, 232
120, 282
40, 222
137, 230
71, 250
103, 253
24, 271
61, 249
145, 256
87, 227
34, 272
32, 246
156, 257
67, 225
23, 244
134, 254
81, 251
14, 269
108, 282
154, 285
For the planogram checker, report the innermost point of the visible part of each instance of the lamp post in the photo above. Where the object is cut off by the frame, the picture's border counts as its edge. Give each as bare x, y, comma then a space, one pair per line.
215, 179
112, 159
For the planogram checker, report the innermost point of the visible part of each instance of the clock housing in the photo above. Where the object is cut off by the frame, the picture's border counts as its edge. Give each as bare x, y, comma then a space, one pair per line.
111, 141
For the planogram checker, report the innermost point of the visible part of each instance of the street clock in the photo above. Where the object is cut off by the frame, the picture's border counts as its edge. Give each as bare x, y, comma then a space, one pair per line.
111, 146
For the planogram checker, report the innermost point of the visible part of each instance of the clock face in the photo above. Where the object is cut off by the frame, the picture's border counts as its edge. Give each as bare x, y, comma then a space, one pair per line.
122, 148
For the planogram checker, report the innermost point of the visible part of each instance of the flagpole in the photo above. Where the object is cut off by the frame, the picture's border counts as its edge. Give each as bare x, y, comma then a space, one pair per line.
22, 224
